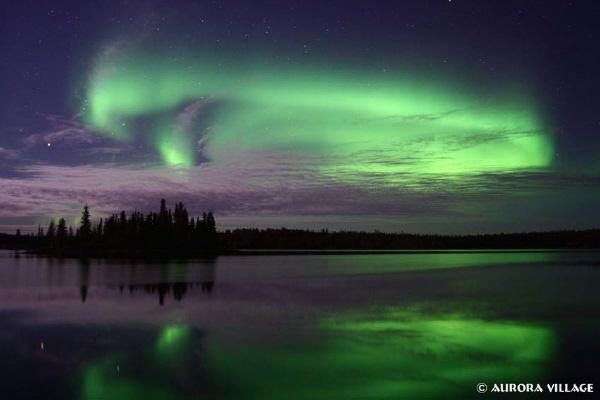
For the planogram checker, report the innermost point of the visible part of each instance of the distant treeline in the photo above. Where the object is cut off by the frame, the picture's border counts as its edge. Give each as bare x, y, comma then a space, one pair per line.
176, 234
286, 239
164, 233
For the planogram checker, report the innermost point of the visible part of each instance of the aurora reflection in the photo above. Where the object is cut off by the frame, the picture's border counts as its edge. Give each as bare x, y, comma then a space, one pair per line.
401, 355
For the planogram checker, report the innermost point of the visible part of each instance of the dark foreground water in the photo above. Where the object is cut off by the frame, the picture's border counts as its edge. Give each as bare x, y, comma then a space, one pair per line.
298, 327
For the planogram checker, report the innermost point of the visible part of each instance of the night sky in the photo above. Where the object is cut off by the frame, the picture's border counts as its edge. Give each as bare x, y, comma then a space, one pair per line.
418, 116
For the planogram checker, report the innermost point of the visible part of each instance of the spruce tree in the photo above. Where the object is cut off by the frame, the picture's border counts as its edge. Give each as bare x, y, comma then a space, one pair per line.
86, 225
61, 231
100, 229
51, 230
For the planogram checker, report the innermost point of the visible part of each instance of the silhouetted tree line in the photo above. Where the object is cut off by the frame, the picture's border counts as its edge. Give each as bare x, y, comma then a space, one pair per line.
172, 233
286, 239
175, 233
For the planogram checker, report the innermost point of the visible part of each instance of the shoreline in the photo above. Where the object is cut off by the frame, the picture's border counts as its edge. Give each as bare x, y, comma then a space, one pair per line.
160, 255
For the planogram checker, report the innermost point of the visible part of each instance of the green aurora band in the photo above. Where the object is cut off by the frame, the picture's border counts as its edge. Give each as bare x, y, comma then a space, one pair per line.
353, 123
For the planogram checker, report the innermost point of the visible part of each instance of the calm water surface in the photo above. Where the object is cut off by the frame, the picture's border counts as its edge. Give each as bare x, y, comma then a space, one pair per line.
384, 326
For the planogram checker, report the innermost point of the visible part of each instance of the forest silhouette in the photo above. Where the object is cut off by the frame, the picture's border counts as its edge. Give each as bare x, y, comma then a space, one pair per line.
168, 233
172, 234
320, 240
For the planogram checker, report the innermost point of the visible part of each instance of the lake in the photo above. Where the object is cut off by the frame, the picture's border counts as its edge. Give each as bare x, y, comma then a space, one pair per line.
367, 326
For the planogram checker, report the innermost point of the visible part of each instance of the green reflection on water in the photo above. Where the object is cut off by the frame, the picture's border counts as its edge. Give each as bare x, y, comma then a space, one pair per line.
106, 379
111, 377
396, 356
380, 353
172, 338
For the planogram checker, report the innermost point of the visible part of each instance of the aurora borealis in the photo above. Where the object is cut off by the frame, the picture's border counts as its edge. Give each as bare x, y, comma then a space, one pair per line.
310, 112
336, 123
317, 116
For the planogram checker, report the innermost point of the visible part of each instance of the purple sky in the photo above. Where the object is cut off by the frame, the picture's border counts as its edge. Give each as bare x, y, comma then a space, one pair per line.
54, 158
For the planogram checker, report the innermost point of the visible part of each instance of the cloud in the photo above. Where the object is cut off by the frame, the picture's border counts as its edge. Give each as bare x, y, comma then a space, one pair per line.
9, 154
104, 150
63, 130
279, 188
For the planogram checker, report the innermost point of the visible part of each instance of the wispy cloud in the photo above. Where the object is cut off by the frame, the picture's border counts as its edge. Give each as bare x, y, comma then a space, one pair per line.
9, 154
63, 130
279, 187
104, 150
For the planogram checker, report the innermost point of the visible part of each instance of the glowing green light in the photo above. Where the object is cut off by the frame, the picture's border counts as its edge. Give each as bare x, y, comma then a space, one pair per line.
354, 123
400, 355
107, 379
172, 336
176, 152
